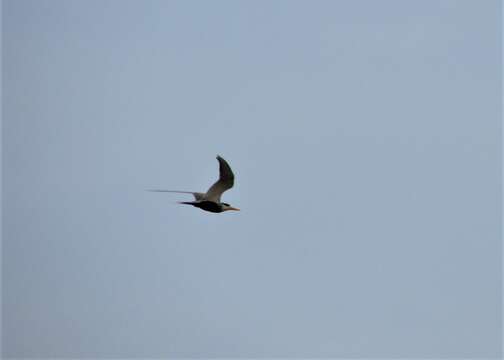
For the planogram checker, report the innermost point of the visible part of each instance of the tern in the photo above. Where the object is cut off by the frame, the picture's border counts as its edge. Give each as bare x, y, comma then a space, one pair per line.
211, 200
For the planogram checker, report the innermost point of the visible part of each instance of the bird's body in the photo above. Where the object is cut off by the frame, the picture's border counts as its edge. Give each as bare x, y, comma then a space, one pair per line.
210, 201
206, 205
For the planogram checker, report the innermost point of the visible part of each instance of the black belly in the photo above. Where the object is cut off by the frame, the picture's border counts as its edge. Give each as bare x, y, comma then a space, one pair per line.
209, 206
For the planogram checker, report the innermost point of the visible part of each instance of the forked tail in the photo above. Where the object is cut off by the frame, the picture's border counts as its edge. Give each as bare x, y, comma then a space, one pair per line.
187, 202
170, 191
197, 195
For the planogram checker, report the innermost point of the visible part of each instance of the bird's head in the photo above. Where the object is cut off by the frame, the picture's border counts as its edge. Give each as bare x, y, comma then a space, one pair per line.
226, 207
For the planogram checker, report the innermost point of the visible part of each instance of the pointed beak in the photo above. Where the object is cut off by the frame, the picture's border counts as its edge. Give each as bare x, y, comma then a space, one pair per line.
233, 208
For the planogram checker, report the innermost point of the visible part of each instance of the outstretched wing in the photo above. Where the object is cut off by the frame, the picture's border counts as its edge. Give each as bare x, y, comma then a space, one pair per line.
225, 182
197, 195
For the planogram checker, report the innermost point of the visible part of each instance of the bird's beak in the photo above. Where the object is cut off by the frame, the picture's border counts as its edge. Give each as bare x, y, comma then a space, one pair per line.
232, 208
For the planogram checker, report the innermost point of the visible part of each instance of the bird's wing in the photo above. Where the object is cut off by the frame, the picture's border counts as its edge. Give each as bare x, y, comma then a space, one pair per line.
197, 195
225, 182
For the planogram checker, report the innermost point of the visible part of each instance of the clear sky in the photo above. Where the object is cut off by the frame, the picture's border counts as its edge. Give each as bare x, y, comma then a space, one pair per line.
366, 141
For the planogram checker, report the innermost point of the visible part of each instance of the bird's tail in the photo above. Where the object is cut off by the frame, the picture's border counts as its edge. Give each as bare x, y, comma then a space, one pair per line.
197, 195
187, 202
170, 191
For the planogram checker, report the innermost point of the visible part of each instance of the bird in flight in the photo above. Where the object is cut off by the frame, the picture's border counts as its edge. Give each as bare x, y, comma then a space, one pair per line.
210, 201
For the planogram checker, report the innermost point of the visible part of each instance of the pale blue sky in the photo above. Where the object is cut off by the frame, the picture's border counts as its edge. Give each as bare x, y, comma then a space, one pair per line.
366, 141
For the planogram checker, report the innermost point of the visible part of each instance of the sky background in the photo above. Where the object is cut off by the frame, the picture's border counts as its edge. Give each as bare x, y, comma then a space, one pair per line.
365, 137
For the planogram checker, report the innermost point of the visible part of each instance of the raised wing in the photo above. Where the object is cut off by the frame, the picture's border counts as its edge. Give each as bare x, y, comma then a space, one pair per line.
225, 182
197, 195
